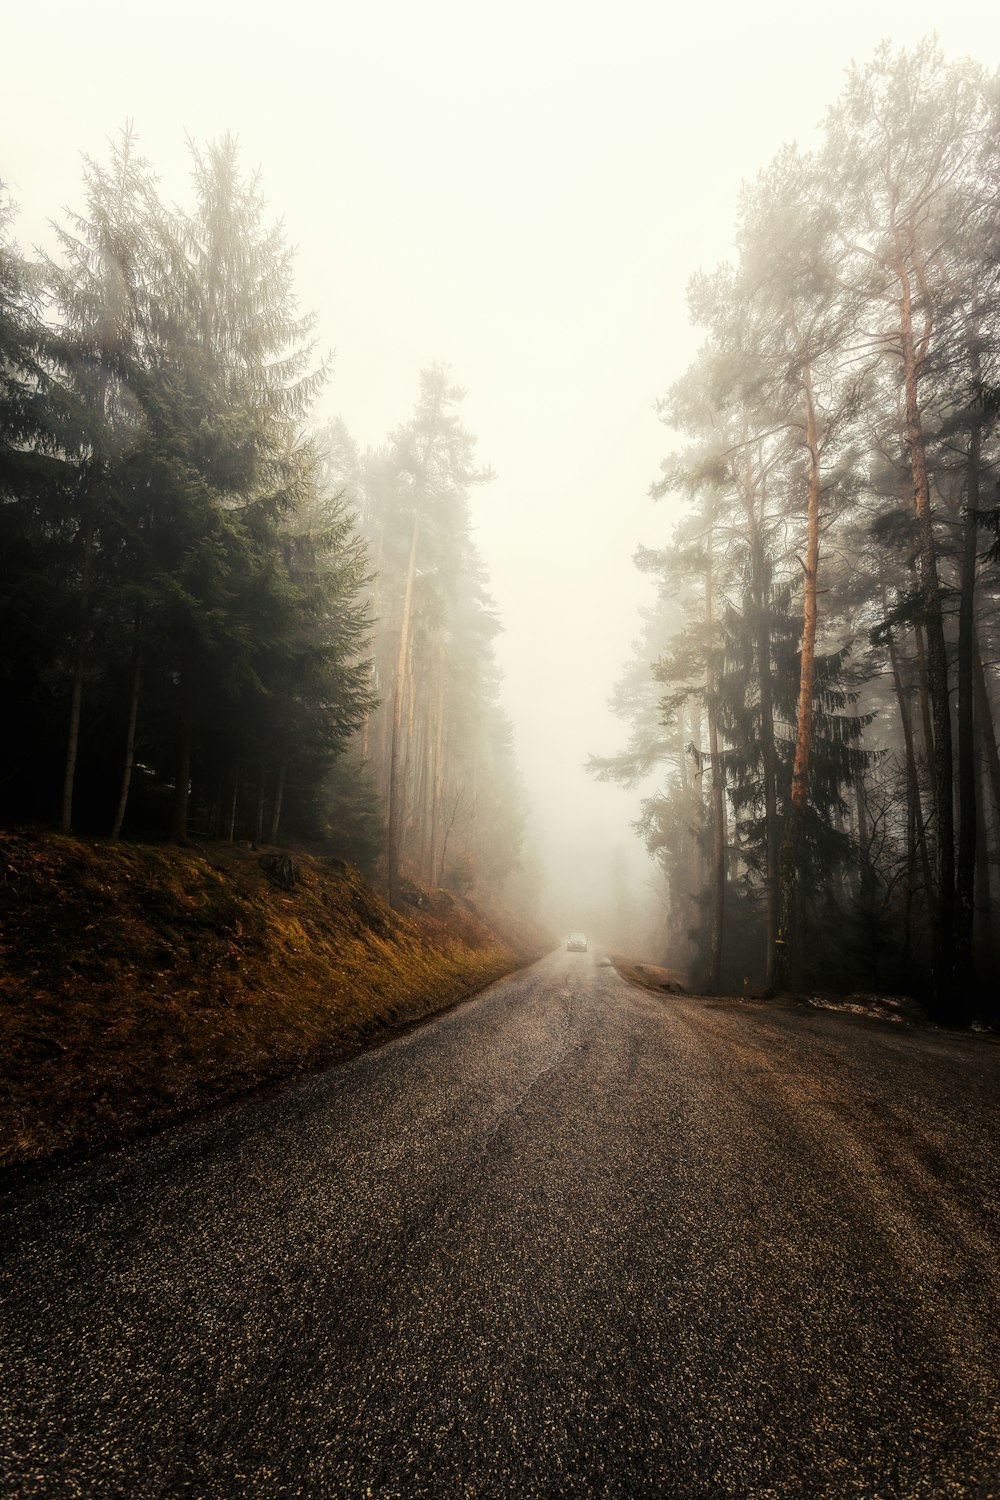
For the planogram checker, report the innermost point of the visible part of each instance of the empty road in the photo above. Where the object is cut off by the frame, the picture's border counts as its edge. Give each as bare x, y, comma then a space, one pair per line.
570, 1239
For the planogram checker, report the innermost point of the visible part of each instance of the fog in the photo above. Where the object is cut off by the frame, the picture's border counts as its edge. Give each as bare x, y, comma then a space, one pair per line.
521, 192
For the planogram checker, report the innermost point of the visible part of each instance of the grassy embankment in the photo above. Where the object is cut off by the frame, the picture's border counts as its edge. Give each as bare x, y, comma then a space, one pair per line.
139, 983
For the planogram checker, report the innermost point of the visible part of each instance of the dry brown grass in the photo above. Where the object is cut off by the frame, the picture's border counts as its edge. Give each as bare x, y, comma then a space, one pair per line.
138, 983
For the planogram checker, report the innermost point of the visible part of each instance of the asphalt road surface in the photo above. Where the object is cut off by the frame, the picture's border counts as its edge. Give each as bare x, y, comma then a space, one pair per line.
570, 1239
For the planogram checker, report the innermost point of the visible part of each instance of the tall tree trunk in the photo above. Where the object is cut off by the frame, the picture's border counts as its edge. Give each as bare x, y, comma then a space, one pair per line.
397, 813
718, 918
376, 611
945, 999
133, 717
691, 742
965, 884
924, 698
182, 781
234, 802
423, 793
385, 742
279, 794
410, 748
923, 692
983, 920
437, 792
473, 837
215, 822
759, 592
912, 778
79, 670
864, 830
798, 801
258, 829
984, 714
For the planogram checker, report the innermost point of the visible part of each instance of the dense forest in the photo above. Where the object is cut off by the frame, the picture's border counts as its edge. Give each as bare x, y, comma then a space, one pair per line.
217, 622
815, 688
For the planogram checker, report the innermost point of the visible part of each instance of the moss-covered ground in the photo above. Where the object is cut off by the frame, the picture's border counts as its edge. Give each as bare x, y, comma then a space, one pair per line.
140, 983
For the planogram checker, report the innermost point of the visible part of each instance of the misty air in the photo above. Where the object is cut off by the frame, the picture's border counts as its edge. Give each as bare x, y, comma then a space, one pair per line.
499, 793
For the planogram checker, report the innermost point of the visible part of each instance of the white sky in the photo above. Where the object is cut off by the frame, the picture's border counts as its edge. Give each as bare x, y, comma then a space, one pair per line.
519, 189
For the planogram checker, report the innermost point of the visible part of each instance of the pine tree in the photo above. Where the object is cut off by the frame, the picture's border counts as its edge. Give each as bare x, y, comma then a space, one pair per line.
41, 444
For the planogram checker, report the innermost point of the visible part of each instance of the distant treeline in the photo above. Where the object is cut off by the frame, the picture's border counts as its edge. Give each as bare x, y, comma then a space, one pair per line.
212, 623
824, 697
435, 738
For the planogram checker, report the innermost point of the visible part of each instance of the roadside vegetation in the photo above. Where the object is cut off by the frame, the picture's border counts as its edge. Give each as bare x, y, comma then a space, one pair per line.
228, 639
141, 983
814, 697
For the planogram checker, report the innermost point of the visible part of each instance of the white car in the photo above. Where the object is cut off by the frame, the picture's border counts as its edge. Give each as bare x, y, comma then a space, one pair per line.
576, 942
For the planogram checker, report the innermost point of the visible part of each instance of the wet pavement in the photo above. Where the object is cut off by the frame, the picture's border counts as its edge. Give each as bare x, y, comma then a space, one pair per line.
570, 1239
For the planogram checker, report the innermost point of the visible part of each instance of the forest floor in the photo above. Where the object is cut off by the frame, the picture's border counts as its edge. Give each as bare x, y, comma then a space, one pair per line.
879, 1006
140, 983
